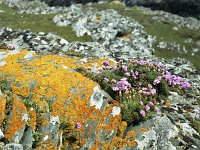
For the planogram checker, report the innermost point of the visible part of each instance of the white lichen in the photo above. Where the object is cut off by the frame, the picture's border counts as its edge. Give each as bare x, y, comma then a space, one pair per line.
96, 98
29, 55
25, 117
1, 134
46, 138
116, 111
54, 120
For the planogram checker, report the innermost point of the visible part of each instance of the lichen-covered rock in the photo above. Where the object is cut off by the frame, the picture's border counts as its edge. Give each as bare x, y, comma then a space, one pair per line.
50, 105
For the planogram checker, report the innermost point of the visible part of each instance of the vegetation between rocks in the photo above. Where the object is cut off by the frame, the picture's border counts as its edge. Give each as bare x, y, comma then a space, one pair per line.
139, 86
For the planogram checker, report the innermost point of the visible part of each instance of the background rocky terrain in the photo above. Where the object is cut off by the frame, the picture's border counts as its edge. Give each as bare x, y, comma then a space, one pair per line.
112, 30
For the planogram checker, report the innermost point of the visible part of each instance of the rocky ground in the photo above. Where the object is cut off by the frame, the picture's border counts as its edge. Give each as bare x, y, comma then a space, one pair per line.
108, 31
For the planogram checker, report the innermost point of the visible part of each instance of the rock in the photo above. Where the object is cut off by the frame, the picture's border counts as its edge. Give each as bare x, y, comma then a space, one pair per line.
1, 134
25, 39
2, 146
87, 49
13, 146
27, 138
164, 134
72, 14
115, 31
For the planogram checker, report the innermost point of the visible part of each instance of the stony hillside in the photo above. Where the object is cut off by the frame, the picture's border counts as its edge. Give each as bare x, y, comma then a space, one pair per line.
98, 76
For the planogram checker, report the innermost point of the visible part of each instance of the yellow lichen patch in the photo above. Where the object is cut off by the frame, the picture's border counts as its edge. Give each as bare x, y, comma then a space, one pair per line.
16, 121
2, 108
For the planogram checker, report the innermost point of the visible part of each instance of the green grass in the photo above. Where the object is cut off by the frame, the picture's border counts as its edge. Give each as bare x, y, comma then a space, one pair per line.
36, 23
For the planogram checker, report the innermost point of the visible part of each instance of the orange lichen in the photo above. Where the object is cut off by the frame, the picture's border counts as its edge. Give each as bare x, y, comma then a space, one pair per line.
2, 108
32, 116
15, 122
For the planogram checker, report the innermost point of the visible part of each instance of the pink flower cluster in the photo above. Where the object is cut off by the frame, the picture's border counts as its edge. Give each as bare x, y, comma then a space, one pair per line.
148, 91
123, 84
148, 107
173, 80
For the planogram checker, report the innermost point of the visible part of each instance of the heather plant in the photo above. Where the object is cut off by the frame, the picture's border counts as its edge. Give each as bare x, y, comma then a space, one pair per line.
137, 85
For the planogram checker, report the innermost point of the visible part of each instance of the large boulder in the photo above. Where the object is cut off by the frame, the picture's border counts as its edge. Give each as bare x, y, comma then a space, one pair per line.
180, 7
46, 104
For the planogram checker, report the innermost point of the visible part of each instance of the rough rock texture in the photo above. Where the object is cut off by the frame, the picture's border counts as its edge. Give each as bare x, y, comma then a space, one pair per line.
180, 7
117, 33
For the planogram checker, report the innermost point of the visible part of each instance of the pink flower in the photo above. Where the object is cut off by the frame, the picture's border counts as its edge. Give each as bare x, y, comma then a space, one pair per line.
185, 85
106, 79
106, 63
78, 125
115, 88
147, 107
142, 112
127, 74
151, 104
114, 68
153, 91
156, 109
124, 68
157, 80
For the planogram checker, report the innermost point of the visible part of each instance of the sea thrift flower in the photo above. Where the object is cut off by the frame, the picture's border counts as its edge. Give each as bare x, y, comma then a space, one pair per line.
127, 74
151, 104
157, 80
147, 107
78, 125
185, 85
124, 68
142, 112
153, 92
136, 73
156, 109
106, 79
106, 63
141, 62
123, 84
115, 88
114, 68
